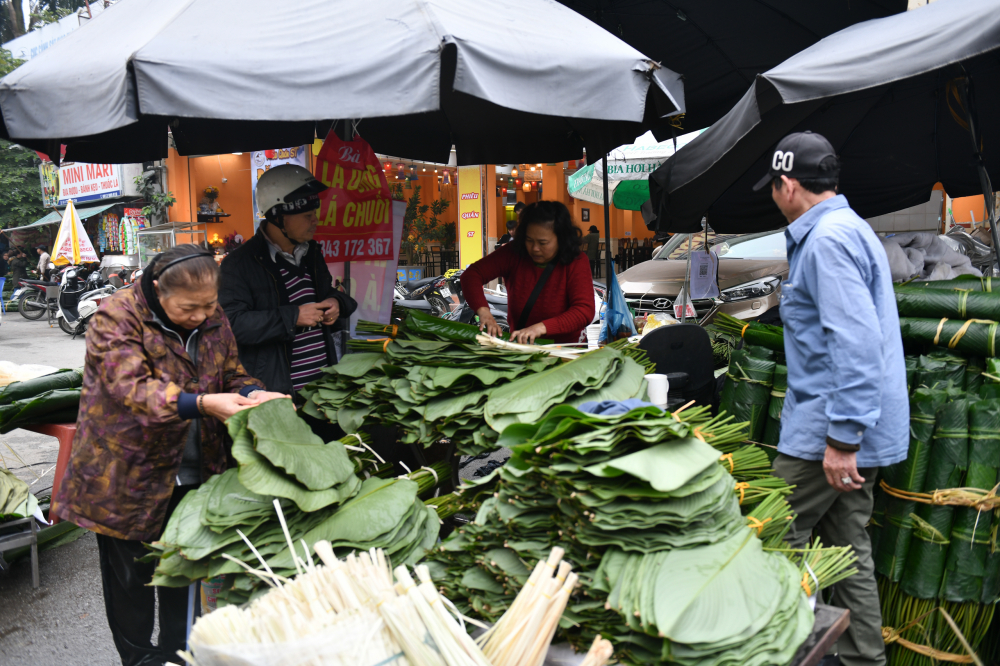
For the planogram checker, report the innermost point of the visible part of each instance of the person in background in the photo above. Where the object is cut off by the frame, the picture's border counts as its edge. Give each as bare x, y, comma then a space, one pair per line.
593, 240
18, 266
507, 237
160, 378
4, 266
44, 261
549, 289
846, 412
277, 290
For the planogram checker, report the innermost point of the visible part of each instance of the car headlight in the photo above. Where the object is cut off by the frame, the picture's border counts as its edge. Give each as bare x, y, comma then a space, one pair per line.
755, 289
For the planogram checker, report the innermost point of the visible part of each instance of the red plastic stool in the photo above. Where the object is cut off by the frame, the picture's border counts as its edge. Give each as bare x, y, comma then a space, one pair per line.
64, 432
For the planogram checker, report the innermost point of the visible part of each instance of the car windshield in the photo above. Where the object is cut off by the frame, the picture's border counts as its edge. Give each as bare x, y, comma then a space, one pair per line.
766, 245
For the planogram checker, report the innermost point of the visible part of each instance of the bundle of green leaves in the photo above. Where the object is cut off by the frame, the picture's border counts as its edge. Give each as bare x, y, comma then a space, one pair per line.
320, 495
641, 485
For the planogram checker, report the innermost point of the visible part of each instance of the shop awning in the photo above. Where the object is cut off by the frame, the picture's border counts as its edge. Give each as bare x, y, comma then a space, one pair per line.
56, 216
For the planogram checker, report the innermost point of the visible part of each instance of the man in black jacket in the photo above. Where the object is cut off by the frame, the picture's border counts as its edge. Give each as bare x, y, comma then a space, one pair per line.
277, 291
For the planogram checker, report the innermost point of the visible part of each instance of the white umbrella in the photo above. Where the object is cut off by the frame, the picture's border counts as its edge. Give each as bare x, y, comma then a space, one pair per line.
523, 80
73, 245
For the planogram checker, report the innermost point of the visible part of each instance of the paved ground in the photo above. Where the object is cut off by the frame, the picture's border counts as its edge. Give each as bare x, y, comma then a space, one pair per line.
62, 623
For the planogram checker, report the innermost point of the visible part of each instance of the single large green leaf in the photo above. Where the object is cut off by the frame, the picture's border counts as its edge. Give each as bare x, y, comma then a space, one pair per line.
259, 475
288, 442
706, 594
380, 508
666, 466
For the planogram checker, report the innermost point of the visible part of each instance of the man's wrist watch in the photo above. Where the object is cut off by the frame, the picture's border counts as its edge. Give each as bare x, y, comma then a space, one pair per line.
843, 446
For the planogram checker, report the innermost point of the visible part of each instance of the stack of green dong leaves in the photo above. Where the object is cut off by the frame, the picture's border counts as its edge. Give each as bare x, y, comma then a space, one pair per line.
644, 507
747, 391
928, 554
434, 381
52, 398
772, 429
321, 498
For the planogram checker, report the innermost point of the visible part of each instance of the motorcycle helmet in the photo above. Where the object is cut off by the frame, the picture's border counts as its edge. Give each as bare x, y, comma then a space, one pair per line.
287, 189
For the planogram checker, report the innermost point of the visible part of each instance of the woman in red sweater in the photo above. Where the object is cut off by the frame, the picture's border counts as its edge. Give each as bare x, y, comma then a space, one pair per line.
545, 249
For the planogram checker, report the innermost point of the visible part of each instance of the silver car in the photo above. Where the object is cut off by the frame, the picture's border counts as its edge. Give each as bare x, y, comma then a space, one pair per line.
751, 268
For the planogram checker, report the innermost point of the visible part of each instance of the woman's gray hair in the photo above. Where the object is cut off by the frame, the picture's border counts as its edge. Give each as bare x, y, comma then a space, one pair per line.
191, 274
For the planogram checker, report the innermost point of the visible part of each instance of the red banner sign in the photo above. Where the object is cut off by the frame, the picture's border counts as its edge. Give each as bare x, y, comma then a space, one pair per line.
355, 215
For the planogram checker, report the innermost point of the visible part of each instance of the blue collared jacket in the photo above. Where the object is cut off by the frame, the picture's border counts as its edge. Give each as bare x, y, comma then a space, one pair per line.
846, 375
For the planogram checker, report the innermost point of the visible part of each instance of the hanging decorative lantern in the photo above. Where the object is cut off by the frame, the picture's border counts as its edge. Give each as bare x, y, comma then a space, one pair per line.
399, 172
518, 182
413, 173
388, 166
447, 177
513, 172
527, 187
504, 190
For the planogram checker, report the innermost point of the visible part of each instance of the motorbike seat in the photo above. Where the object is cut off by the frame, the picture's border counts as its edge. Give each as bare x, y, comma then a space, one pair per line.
416, 284
40, 283
496, 300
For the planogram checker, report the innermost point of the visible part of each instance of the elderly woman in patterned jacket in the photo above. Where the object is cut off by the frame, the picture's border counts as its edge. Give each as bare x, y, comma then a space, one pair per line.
161, 376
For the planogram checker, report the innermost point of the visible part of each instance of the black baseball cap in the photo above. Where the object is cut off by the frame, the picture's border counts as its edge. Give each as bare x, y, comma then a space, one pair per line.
802, 155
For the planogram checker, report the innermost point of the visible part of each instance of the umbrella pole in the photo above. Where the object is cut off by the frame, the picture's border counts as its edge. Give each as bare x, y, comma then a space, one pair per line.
607, 226
347, 134
984, 177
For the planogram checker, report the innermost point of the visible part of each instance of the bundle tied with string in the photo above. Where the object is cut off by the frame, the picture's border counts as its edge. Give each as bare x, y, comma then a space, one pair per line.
772, 430
747, 392
909, 475
963, 282
969, 554
949, 458
972, 336
914, 301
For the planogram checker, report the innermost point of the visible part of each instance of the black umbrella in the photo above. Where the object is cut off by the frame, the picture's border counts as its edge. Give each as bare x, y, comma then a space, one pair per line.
896, 97
721, 45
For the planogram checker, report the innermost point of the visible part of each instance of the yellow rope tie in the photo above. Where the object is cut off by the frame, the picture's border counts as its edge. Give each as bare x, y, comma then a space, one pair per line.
744, 330
728, 457
975, 498
742, 487
758, 525
937, 336
890, 636
965, 327
697, 435
805, 584
386, 345
963, 299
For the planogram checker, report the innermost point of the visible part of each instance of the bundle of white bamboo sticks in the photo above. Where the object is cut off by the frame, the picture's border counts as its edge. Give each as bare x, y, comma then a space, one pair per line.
351, 611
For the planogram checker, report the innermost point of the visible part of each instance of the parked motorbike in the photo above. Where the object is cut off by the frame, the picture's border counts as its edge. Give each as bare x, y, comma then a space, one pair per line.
78, 300
32, 297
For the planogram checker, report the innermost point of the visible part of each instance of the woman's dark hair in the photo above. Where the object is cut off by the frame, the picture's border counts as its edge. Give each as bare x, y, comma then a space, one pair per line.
189, 274
593, 229
555, 216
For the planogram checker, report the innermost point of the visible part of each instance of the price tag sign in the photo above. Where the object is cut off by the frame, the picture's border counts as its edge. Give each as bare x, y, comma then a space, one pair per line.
355, 215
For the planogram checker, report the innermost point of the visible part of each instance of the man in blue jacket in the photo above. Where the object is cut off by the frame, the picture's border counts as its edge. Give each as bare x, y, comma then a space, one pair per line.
846, 410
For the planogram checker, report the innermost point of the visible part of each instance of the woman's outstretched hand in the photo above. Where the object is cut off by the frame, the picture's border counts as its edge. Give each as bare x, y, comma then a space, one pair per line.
487, 323
526, 336
223, 405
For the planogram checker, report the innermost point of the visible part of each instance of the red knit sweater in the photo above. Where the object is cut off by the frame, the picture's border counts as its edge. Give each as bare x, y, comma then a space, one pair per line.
566, 304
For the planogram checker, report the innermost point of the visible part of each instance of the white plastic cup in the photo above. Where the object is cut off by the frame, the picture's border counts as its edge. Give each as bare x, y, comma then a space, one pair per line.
593, 335
657, 387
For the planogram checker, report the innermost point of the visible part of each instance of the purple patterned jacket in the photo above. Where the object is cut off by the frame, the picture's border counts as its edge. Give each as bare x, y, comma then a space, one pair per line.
130, 439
